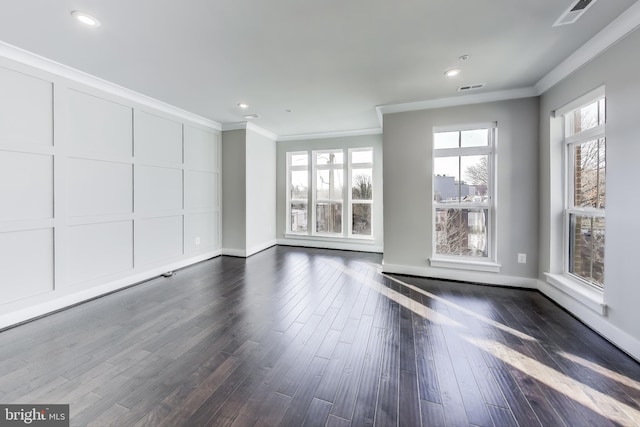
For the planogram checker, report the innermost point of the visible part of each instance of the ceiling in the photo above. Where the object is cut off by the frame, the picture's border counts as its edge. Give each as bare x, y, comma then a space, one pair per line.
328, 62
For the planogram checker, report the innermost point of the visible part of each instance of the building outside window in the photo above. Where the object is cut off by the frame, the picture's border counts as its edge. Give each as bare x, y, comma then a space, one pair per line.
330, 193
463, 192
584, 213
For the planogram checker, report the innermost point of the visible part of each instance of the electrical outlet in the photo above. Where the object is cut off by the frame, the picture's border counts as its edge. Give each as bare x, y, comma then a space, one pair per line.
522, 258
197, 241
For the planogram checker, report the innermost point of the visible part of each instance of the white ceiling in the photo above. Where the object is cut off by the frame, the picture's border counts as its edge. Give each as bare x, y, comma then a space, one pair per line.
330, 61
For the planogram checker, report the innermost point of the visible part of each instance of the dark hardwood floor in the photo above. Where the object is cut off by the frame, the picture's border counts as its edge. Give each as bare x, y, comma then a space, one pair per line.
306, 337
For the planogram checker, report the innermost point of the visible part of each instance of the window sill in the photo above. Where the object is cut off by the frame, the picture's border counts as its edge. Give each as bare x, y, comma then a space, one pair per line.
465, 264
586, 295
329, 238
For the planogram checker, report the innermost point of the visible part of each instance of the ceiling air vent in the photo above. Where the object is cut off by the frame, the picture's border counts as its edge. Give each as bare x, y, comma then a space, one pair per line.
251, 116
470, 87
575, 11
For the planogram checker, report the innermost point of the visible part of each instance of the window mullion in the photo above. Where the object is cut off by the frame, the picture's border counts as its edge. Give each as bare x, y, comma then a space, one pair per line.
313, 193
586, 135
348, 206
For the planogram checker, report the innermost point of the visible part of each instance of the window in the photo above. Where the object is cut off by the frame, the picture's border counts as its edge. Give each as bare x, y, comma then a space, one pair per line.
463, 192
361, 194
584, 213
330, 193
298, 196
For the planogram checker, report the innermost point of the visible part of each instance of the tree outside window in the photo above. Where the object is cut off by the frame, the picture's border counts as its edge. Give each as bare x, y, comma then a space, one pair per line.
462, 192
585, 143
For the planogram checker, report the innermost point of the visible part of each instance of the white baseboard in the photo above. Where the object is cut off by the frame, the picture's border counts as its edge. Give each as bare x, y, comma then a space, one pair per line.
589, 297
584, 313
261, 247
594, 320
43, 304
234, 252
324, 244
461, 275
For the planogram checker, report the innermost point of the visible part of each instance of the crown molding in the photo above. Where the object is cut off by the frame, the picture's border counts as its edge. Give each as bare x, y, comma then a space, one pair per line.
325, 135
261, 131
250, 126
455, 101
615, 31
30, 59
234, 126
380, 117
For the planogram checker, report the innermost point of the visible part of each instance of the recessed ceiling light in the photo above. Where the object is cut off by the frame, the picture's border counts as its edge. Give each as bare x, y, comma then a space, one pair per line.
452, 72
243, 105
85, 18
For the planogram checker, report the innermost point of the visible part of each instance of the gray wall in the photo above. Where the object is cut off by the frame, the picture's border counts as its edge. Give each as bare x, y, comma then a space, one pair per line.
618, 69
408, 145
234, 196
374, 141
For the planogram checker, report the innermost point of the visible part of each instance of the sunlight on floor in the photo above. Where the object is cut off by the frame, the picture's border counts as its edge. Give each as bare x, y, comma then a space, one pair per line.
615, 376
403, 300
409, 303
466, 311
583, 394
596, 401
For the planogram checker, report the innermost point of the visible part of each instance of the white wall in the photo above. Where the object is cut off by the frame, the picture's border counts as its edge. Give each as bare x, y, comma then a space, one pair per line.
97, 191
408, 145
617, 69
248, 189
374, 141
261, 192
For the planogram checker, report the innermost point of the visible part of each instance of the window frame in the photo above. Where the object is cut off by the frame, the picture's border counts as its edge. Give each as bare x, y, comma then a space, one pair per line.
314, 191
488, 263
290, 200
350, 200
346, 200
595, 133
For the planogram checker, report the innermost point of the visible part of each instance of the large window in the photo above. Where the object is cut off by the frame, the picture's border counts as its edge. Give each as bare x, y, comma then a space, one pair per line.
585, 145
330, 193
463, 192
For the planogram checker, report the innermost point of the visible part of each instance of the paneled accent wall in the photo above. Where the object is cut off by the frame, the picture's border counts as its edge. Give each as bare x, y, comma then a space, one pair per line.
96, 192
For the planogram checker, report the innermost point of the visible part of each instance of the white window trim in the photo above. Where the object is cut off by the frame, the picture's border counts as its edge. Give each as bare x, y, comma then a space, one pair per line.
571, 282
290, 169
464, 263
489, 264
314, 200
351, 202
583, 100
465, 126
571, 285
589, 296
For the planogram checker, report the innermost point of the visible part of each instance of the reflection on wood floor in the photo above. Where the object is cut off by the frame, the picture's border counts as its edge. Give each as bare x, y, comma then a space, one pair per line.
314, 337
